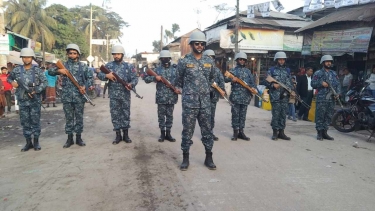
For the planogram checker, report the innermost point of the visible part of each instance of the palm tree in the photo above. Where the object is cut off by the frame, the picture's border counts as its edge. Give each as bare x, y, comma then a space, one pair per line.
28, 18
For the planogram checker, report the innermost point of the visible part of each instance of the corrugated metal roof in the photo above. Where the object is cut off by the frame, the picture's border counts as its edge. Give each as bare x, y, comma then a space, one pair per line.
277, 23
360, 13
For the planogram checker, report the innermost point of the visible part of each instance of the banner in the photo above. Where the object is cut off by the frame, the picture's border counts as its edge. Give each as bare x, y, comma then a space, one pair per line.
293, 43
338, 3
250, 11
256, 39
306, 6
350, 40
315, 5
38, 47
277, 5
346, 3
264, 9
329, 3
365, 1
4, 44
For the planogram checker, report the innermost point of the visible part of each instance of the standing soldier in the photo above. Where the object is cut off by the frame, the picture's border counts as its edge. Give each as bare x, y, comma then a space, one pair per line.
166, 98
30, 81
195, 77
322, 80
240, 96
72, 98
219, 80
119, 96
279, 96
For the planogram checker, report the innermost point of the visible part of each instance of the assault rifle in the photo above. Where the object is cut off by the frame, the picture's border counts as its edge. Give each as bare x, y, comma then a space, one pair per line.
27, 89
221, 92
333, 93
244, 84
73, 79
118, 79
163, 80
270, 79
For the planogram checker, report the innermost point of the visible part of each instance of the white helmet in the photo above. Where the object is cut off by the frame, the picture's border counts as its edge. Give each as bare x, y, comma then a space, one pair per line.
326, 58
209, 52
280, 55
240, 55
165, 54
74, 47
118, 49
27, 52
197, 36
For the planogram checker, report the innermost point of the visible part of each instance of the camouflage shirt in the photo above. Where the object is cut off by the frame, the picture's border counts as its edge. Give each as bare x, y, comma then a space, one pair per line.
195, 77
325, 94
34, 75
281, 74
219, 80
70, 93
239, 94
164, 95
126, 72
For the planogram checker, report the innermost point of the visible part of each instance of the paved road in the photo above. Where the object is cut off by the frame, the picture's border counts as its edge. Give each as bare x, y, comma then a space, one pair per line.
302, 174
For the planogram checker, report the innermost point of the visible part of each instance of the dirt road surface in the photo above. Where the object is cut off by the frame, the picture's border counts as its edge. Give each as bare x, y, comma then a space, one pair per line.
302, 174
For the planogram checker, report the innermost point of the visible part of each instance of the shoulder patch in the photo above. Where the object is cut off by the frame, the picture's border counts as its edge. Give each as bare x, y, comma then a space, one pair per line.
207, 65
189, 65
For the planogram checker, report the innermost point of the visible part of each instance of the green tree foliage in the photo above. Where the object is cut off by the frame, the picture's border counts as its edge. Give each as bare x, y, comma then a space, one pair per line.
156, 45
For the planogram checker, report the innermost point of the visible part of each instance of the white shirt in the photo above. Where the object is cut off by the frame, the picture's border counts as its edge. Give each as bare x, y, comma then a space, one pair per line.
371, 80
309, 87
347, 79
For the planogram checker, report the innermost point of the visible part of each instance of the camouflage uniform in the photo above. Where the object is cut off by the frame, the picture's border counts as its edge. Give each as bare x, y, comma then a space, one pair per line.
120, 97
29, 107
73, 101
324, 106
195, 77
240, 96
165, 97
215, 95
279, 97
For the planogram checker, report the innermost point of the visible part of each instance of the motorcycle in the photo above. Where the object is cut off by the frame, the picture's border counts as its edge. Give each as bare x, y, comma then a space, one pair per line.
361, 112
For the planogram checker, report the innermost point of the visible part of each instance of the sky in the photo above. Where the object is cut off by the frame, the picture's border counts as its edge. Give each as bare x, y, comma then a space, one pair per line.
146, 17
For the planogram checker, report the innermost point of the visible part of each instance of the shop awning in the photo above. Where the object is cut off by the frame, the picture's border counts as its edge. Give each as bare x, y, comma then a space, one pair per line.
14, 57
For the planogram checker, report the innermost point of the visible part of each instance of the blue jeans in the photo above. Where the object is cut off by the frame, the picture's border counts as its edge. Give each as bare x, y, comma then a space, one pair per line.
292, 110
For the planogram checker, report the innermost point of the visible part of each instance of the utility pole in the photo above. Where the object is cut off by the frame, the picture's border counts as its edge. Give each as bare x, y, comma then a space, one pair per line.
43, 50
3, 58
90, 58
107, 35
161, 38
237, 26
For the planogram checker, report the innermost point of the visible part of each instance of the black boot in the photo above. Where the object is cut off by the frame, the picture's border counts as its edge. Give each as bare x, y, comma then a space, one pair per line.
235, 135
283, 136
162, 136
215, 138
28, 145
36, 144
185, 161
169, 137
69, 142
79, 140
275, 134
326, 136
118, 138
54, 105
191, 142
208, 161
126, 136
319, 135
242, 135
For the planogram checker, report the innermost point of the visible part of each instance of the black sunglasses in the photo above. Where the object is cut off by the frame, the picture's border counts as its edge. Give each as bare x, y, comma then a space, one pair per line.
241, 59
72, 53
200, 43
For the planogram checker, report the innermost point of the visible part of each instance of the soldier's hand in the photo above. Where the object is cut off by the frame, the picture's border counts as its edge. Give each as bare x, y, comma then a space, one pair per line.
293, 94
110, 76
158, 78
337, 96
276, 86
177, 91
234, 79
129, 87
324, 84
63, 71
82, 90
91, 88
14, 84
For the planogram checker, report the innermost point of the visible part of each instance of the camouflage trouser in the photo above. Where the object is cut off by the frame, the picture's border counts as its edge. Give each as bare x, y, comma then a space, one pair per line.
30, 120
323, 114
189, 117
120, 113
165, 116
74, 117
238, 116
213, 111
279, 110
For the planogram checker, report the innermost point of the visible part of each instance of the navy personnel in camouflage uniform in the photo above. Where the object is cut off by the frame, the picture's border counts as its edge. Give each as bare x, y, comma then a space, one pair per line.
29, 101
72, 98
214, 94
325, 101
240, 96
279, 96
119, 96
195, 77
166, 98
